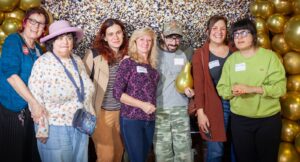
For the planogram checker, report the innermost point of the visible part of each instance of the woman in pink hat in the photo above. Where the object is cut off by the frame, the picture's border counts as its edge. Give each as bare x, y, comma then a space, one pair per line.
19, 51
60, 83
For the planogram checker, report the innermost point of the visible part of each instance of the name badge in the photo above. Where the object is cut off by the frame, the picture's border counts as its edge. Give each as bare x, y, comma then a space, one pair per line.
141, 69
178, 61
240, 67
213, 64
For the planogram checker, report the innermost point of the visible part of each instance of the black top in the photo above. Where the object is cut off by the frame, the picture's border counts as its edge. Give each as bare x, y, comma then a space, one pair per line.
215, 66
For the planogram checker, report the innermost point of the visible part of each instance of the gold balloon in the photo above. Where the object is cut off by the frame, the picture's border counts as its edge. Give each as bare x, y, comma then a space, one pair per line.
17, 14
279, 44
297, 143
265, 9
11, 25
283, 7
254, 9
26, 4
293, 83
292, 33
261, 26
287, 153
184, 78
290, 105
8, 5
276, 23
263, 40
289, 130
296, 7
2, 16
2, 35
291, 62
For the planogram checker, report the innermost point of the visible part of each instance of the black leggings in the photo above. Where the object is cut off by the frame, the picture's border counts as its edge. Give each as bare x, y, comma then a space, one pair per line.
17, 140
256, 139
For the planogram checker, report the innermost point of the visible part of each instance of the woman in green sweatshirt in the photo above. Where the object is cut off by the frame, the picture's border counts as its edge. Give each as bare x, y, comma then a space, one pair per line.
253, 78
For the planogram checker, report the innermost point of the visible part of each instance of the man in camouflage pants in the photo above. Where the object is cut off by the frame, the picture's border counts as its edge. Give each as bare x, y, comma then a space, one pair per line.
172, 139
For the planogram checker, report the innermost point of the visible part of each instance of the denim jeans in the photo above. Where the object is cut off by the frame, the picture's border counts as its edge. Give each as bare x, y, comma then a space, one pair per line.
137, 136
64, 144
215, 150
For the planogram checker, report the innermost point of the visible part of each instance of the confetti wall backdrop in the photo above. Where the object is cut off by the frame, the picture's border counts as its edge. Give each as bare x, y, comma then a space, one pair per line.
89, 14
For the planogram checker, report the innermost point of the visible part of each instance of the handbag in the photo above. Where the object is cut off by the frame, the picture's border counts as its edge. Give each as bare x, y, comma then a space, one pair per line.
84, 121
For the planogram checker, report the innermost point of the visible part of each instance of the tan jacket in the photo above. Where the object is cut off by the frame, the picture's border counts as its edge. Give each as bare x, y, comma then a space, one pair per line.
101, 76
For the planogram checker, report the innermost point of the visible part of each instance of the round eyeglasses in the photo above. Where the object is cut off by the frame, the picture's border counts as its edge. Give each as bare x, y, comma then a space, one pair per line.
241, 34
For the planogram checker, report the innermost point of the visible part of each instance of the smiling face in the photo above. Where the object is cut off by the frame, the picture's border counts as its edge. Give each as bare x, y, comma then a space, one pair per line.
114, 37
144, 44
172, 42
217, 33
63, 45
34, 26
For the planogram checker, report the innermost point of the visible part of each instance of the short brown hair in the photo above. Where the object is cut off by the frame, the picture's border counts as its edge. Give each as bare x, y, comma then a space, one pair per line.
36, 10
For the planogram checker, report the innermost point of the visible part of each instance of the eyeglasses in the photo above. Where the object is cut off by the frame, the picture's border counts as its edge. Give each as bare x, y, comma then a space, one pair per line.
174, 38
34, 22
241, 34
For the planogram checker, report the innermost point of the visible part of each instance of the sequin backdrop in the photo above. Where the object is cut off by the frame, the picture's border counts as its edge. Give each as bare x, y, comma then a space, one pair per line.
89, 14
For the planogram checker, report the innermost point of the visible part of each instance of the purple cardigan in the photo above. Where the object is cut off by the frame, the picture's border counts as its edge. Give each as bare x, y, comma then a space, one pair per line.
139, 81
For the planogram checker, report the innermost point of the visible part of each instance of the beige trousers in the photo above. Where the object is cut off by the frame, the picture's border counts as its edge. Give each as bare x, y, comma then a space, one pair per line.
107, 137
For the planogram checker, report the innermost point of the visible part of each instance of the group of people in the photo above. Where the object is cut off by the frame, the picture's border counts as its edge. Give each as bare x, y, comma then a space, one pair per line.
129, 84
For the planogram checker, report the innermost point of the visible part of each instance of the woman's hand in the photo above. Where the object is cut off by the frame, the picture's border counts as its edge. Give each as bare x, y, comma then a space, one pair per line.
240, 89
37, 111
42, 139
203, 122
148, 108
189, 92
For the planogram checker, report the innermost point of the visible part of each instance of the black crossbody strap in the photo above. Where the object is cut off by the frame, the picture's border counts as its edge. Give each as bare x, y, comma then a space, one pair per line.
95, 53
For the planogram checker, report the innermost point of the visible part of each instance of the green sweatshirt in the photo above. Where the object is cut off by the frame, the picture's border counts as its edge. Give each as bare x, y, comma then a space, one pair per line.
265, 70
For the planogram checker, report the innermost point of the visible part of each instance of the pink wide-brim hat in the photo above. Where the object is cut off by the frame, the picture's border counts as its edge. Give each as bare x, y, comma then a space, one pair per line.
61, 27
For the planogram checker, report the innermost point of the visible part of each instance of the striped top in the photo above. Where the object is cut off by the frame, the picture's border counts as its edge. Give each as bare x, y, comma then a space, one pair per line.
109, 102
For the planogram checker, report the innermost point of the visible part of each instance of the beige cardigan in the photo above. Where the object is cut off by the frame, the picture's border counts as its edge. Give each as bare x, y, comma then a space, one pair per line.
101, 76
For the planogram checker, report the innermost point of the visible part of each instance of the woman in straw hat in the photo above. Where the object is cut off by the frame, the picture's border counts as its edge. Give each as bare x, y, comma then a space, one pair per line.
60, 83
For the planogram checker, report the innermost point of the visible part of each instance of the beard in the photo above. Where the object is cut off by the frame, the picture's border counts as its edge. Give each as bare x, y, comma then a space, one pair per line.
172, 48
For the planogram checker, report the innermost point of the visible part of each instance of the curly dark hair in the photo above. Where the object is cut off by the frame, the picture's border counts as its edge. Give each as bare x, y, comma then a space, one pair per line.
102, 46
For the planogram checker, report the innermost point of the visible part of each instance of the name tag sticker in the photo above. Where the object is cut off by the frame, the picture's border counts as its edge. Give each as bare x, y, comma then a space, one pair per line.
178, 61
141, 69
240, 67
213, 64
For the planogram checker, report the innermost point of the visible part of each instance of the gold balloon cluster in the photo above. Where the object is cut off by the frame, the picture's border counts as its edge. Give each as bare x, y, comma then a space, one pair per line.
11, 15
278, 28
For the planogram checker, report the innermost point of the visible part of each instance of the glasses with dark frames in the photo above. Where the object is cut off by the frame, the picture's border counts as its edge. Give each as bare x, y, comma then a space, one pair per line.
35, 22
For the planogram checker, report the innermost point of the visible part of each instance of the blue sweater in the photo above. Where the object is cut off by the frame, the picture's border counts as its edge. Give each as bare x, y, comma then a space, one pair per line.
16, 59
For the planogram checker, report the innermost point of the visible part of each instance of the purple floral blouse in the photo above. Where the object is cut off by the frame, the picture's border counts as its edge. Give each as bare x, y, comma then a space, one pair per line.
139, 81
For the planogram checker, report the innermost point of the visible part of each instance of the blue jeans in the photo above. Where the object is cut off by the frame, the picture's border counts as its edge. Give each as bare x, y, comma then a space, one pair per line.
64, 144
215, 150
137, 136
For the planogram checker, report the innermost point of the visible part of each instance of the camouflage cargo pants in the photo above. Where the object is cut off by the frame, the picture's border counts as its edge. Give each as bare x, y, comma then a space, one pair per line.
172, 138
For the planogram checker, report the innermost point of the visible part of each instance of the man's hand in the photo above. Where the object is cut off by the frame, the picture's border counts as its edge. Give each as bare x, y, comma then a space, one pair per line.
189, 92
